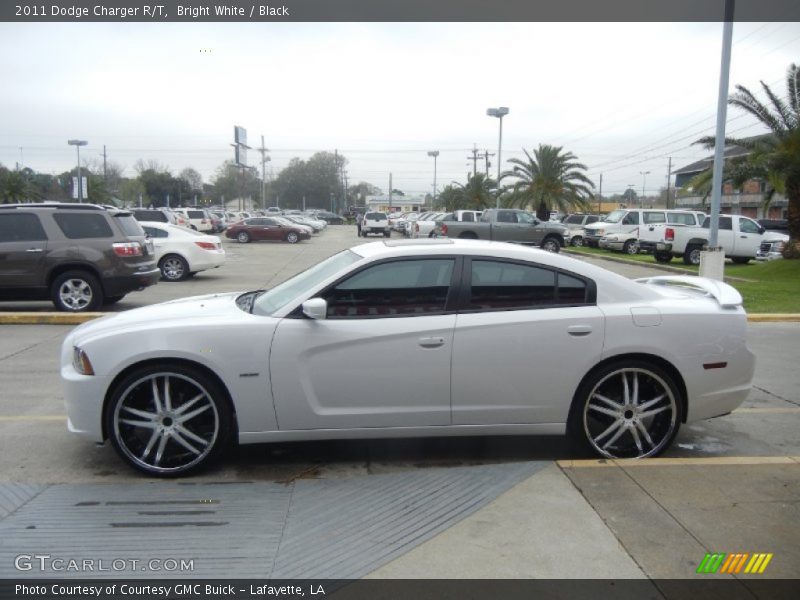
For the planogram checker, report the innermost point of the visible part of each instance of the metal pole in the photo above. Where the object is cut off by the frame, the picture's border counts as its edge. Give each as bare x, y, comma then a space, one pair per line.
499, 161
433, 204
722, 114
80, 181
669, 176
600, 195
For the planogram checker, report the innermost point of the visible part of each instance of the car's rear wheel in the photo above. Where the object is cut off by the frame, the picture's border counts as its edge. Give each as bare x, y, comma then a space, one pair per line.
468, 235
174, 267
292, 237
740, 260
691, 256
551, 244
626, 409
577, 241
243, 237
630, 247
662, 257
76, 291
168, 420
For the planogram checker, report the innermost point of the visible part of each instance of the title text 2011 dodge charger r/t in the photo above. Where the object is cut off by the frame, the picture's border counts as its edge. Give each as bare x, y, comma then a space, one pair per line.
504, 340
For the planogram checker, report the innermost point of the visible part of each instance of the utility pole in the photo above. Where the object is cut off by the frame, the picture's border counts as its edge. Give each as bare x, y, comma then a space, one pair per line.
390, 192
105, 177
474, 159
264, 160
486, 156
600, 195
669, 176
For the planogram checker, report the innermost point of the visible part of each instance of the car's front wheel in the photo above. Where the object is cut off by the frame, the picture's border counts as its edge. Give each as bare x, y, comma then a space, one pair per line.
76, 291
243, 237
168, 420
551, 244
292, 237
630, 247
626, 409
577, 241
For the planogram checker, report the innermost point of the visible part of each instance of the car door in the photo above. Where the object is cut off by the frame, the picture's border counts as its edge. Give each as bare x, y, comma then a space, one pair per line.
525, 336
271, 229
748, 239
505, 227
339, 372
23, 245
725, 236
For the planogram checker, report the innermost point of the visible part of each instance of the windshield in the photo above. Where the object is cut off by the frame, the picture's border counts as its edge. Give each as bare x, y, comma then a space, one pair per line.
279, 296
614, 216
574, 220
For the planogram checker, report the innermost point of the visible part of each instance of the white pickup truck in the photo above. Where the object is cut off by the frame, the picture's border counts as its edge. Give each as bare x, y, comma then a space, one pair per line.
740, 238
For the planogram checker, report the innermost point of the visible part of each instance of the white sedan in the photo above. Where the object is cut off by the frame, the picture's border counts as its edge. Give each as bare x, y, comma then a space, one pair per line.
182, 252
503, 339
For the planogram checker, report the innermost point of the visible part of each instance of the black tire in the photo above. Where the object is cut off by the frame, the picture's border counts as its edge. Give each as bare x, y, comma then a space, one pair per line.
76, 291
603, 422
551, 244
173, 268
292, 237
691, 256
740, 260
630, 247
468, 235
662, 257
109, 300
243, 237
387, 234
577, 241
209, 426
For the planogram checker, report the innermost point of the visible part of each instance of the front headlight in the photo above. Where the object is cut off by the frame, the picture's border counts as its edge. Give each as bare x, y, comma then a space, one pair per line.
81, 363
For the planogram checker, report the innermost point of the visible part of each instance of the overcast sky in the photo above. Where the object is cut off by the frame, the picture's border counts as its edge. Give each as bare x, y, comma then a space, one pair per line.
622, 97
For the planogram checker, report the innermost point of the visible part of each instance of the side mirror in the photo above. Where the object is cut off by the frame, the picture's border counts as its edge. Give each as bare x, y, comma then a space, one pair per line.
316, 308
762, 229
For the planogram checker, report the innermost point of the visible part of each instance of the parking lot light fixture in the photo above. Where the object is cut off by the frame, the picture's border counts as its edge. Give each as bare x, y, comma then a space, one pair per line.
644, 175
499, 112
78, 144
434, 154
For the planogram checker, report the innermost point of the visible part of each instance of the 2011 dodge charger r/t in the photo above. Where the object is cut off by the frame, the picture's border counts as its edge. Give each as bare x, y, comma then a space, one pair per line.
503, 339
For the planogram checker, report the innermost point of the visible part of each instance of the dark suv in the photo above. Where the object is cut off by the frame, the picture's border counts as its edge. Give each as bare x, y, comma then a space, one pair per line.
80, 256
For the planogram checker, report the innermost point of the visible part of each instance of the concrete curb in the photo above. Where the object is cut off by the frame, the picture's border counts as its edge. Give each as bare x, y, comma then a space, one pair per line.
635, 263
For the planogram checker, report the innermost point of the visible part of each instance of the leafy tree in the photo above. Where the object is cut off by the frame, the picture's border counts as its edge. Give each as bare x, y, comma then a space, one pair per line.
231, 182
357, 194
314, 179
478, 193
14, 186
449, 199
548, 180
775, 156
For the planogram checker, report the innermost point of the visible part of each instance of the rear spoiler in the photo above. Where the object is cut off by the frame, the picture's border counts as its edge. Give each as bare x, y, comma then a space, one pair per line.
726, 295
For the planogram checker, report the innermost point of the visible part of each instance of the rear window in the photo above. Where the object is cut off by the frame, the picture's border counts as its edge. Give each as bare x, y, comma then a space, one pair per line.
654, 217
681, 218
196, 214
375, 216
574, 220
151, 215
129, 225
82, 225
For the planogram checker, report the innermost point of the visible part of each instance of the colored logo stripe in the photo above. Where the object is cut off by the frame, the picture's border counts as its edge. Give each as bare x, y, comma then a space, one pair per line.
720, 562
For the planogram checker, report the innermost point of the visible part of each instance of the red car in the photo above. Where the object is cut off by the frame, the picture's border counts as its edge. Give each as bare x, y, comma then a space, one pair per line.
265, 228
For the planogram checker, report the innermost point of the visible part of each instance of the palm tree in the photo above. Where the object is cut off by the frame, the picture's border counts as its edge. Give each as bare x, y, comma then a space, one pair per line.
777, 155
478, 193
548, 180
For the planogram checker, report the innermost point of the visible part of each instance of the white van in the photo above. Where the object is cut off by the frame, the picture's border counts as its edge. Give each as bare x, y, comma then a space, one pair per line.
619, 229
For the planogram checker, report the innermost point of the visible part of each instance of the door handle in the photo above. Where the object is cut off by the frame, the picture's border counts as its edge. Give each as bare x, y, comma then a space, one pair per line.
579, 330
34, 250
744, 237
431, 342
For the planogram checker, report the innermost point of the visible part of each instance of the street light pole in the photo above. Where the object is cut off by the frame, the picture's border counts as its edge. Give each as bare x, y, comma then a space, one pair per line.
644, 175
434, 154
78, 144
499, 112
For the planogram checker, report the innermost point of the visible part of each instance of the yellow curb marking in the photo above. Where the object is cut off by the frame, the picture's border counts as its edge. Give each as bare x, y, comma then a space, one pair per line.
673, 462
48, 318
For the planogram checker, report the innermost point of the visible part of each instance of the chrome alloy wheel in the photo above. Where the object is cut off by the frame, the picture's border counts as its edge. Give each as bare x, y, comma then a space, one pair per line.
165, 422
75, 294
630, 413
173, 268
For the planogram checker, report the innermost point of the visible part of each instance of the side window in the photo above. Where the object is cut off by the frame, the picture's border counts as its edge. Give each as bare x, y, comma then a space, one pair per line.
21, 227
505, 286
725, 224
681, 218
397, 288
592, 219
654, 217
155, 232
632, 218
78, 226
506, 216
468, 216
748, 226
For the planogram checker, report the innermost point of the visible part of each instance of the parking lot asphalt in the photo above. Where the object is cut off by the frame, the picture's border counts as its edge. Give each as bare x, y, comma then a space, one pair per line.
727, 485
